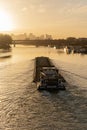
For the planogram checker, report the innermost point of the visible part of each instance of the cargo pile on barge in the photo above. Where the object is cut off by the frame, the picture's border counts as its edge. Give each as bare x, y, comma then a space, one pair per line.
47, 76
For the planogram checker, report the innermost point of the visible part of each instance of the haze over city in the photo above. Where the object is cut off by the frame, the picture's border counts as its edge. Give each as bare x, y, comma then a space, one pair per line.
59, 18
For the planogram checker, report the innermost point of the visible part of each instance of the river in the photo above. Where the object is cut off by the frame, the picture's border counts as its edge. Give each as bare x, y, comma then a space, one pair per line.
22, 107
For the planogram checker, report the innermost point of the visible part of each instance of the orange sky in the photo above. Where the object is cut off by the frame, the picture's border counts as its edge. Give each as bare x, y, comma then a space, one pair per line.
60, 18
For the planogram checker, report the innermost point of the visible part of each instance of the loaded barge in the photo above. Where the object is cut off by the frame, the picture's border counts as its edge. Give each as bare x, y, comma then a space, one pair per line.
47, 76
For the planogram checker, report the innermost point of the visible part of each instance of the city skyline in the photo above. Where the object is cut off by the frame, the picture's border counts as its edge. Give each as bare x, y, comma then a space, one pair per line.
31, 36
60, 19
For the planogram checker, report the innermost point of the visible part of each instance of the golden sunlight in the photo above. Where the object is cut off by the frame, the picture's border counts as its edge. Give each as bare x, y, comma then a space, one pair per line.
5, 21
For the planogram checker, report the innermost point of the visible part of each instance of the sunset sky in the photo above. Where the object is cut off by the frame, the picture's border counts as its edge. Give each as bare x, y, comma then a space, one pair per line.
60, 18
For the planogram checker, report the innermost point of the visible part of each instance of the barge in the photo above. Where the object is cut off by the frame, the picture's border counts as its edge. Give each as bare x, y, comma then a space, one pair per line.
47, 76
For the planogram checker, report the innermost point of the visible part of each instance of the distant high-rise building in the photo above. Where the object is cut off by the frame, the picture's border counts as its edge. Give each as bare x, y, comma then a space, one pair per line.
42, 37
32, 36
48, 37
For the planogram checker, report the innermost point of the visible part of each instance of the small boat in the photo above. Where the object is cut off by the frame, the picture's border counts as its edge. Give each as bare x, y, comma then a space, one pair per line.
5, 53
67, 50
54, 47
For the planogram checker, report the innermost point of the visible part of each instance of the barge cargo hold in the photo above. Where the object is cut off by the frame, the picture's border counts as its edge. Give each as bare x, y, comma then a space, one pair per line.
47, 76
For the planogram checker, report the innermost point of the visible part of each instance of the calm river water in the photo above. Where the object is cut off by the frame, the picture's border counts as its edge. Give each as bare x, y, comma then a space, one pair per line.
22, 107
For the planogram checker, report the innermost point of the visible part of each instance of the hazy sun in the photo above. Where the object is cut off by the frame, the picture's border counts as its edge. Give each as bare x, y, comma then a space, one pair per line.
5, 21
